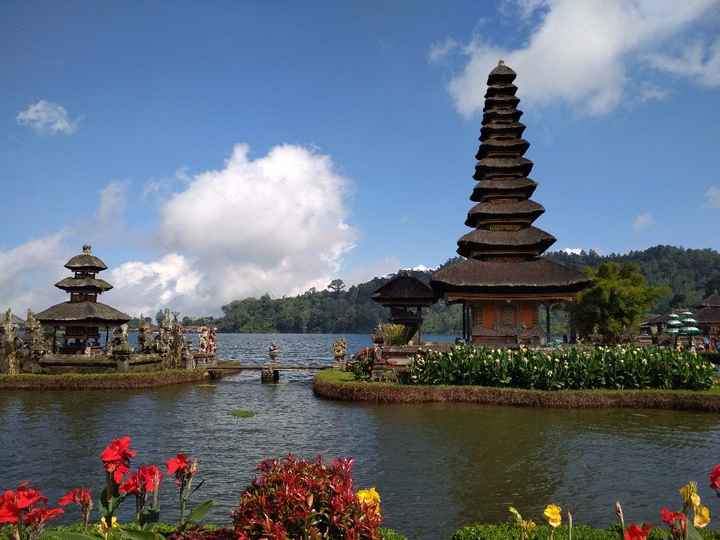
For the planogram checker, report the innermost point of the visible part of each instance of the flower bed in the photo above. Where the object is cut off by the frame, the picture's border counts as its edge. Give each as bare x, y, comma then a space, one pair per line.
292, 499
570, 368
334, 384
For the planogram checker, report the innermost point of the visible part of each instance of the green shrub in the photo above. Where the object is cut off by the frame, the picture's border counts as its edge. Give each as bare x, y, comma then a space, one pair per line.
389, 534
571, 368
507, 531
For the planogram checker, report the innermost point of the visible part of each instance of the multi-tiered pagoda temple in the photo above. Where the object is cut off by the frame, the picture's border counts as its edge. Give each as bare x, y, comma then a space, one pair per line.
83, 316
504, 280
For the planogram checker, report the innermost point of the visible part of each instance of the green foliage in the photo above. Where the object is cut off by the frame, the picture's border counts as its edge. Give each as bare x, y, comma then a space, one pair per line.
569, 368
616, 302
241, 413
506, 531
362, 364
389, 534
394, 334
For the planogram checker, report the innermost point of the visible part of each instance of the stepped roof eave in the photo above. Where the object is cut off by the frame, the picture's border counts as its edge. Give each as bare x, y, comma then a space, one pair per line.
404, 289
85, 261
708, 314
520, 209
536, 275
82, 313
72, 283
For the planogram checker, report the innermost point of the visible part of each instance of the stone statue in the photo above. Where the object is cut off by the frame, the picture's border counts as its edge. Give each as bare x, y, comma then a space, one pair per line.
164, 338
119, 342
9, 345
339, 352
273, 353
177, 343
211, 341
144, 336
203, 340
34, 332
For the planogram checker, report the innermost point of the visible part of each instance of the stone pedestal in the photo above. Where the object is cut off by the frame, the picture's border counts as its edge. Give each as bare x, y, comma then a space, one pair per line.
122, 360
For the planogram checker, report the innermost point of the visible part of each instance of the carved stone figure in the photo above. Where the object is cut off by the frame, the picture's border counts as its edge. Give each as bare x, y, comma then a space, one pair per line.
339, 352
11, 365
37, 343
144, 336
203, 340
212, 343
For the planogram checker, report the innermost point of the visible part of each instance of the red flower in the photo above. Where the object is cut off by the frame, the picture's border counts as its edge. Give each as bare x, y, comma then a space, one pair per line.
18, 504
131, 484
37, 517
80, 496
116, 458
715, 477
635, 532
671, 518
178, 464
149, 477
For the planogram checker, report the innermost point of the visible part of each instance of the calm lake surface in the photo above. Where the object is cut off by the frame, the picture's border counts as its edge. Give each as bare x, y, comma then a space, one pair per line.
437, 466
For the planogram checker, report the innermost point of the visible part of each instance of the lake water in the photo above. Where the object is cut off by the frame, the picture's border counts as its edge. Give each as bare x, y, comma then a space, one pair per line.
437, 466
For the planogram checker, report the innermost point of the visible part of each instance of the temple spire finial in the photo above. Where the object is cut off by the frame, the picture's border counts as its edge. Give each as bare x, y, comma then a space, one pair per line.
87, 249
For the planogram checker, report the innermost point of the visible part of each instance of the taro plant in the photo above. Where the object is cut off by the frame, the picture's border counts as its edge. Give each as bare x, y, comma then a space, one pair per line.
569, 368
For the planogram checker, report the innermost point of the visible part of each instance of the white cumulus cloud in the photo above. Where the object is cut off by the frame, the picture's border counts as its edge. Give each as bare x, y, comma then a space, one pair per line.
572, 251
643, 222
273, 224
47, 117
578, 51
27, 272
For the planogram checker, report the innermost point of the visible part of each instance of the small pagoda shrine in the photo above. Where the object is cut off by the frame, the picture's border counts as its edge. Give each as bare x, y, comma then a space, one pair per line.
504, 280
405, 296
83, 316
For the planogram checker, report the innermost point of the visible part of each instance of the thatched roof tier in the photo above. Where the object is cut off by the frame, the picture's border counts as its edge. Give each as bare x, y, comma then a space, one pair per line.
707, 315
538, 275
71, 284
85, 262
406, 290
69, 313
711, 301
501, 129
520, 188
485, 243
502, 148
507, 210
501, 74
502, 166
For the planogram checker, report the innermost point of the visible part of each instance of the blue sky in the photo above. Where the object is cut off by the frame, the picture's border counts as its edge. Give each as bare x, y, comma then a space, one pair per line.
360, 121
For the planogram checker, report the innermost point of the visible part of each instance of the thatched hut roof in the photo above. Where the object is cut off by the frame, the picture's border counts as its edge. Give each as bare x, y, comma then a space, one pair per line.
82, 313
404, 289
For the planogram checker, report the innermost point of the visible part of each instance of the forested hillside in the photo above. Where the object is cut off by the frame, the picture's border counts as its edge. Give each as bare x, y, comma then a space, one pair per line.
690, 273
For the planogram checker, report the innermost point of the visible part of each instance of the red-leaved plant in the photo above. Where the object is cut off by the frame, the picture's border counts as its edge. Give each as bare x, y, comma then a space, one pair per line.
298, 499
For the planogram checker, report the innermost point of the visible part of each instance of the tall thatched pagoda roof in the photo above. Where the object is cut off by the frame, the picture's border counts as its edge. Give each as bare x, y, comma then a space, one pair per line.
86, 261
503, 252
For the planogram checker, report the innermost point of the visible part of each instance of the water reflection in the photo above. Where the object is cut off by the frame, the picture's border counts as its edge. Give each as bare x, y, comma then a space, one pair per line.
437, 466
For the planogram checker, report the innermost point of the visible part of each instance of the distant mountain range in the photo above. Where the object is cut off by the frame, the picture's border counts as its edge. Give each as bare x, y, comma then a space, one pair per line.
690, 273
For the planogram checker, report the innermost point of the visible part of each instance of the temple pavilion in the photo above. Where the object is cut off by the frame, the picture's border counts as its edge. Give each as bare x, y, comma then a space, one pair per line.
83, 316
406, 296
503, 281
707, 314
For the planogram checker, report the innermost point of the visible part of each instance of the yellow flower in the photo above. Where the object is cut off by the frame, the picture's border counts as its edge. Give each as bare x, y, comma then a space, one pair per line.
702, 517
689, 494
553, 515
369, 497
103, 528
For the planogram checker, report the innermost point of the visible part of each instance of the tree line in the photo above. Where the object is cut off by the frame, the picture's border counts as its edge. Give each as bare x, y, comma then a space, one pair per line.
680, 277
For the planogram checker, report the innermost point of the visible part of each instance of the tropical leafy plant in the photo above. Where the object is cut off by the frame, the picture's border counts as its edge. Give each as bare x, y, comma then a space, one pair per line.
571, 368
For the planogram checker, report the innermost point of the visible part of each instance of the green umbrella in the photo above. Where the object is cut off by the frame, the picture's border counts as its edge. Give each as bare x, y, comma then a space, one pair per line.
686, 313
674, 316
692, 330
674, 322
672, 331
689, 321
